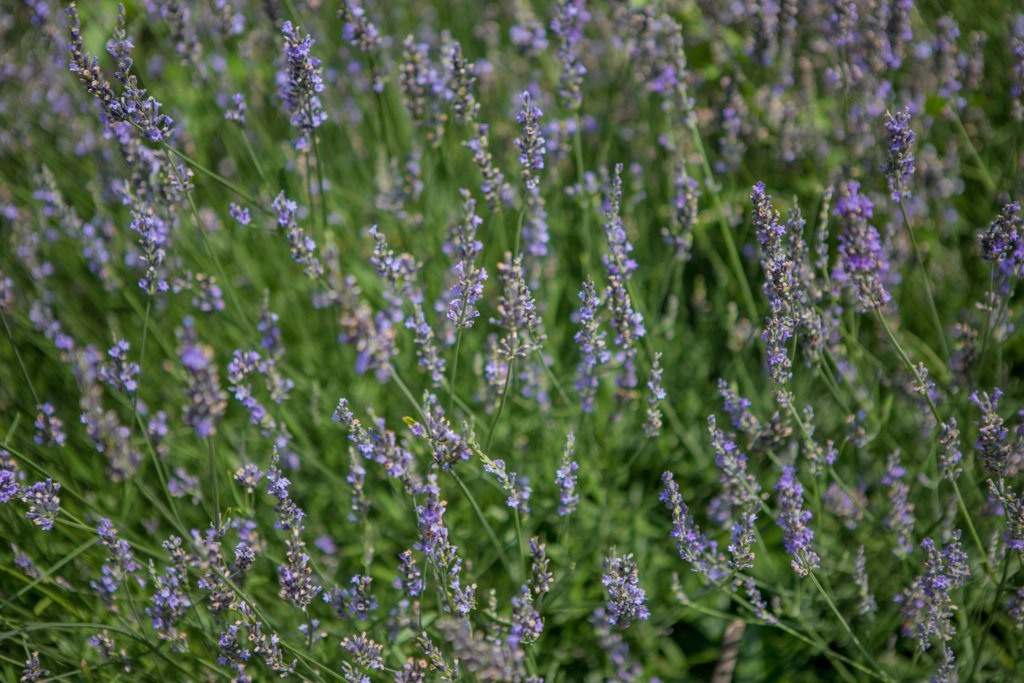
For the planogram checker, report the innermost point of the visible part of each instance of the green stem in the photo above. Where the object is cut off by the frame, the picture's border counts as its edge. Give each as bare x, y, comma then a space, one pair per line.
846, 626
501, 406
927, 284
730, 244
213, 476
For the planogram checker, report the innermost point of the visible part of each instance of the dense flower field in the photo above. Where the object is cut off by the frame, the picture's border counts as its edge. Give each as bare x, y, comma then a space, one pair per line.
511, 341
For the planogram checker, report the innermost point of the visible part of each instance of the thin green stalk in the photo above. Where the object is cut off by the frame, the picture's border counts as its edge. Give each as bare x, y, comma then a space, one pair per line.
990, 184
206, 240
929, 296
320, 184
846, 626
309, 193
455, 367
730, 244
501, 406
938, 418
214, 477
483, 520
988, 622
214, 176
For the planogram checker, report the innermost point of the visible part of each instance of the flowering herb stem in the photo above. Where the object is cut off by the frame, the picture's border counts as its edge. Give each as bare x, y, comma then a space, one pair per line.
501, 405
938, 418
168, 149
927, 283
206, 240
846, 627
487, 525
213, 477
730, 243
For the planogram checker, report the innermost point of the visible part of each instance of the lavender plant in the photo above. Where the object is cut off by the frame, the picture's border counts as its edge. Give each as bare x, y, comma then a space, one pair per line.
526, 341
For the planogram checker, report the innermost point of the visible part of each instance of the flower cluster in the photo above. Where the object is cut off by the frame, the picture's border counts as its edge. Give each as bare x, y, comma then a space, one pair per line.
300, 84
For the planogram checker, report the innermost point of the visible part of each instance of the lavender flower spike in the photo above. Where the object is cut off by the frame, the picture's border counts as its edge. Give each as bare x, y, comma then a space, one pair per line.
793, 520
899, 164
863, 261
207, 401
300, 86
626, 599
593, 350
469, 280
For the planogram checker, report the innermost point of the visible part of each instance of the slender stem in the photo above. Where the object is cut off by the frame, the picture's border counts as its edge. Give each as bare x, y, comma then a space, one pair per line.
501, 406
988, 622
846, 625
455, 366
990, 184
206, 240
320, 185
940, 332
730, 244
220, 179
483, 520
214, 477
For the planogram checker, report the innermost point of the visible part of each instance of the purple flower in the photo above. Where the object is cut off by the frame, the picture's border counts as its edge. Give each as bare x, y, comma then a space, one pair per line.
899, 163
925, 606
685, 203
527, 624
950, 455
366, 651
206, 400
900, 519
1015, 609
570, 18
496, 190
131, 105
627, 323
460, 78
991, 442
232, 654
300, 85
171, 602
517, 312
431, 523
303, 248
530, 143
425, 88
237, 114
527, 33
410, 581
43, 502
121, 372
33, 670
653, 424
626, 600
1017, 77
239, 213
591, 340
793, 519
565, 477
689, 541
49, 428
447, 446
740, 487
463, 246
863, 260
353, 603
517, 487
741, 547
860, 579
540, 577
